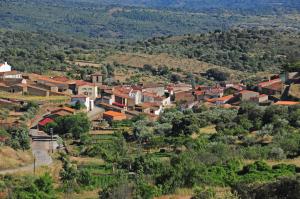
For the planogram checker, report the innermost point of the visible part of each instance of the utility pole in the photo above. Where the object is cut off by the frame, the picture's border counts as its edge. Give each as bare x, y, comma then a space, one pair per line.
52, 147
34, 162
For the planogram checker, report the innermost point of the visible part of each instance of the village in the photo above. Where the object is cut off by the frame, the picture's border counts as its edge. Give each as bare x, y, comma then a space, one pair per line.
121, 102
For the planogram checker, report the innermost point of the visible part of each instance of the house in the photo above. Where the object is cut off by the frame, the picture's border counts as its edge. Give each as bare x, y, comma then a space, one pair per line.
247, 95
11, 75
149, 108
87, 89
4, 67
233, 88
214, 92
287, 103
83, 100
62, 112
107, 96
113, 116
271, 87
52, 85
158, 89
154, 97
222, 100
184, 96
126, 97
263, 98
44, 122
97, 78
199, 95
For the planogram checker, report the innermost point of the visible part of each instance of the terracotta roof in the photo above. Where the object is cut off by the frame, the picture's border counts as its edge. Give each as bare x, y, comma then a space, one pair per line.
49, 80
287, 103
45, 121
149, 104
113, 114
79, 96
83, 83
4, 85
70, 110
267, 83
199, 92
63, 79
247, 91
148, 94
225, 98
275, 86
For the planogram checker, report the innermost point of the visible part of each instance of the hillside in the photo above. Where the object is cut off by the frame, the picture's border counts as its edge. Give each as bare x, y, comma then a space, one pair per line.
209, 4
125, 20
249, 50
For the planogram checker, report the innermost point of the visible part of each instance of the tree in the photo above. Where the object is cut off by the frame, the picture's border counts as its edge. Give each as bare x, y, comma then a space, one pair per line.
75, 125
20, 138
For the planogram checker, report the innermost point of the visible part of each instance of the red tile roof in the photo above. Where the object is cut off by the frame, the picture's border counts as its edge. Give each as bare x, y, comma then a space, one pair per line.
83, 83
70, 110
247, 91
113, 114
199, 92
287, 103
45, 121
275, 86
268, 83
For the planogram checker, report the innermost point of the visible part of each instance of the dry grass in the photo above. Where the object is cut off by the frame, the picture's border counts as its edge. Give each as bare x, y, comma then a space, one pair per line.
295, 90
31, 97
139, 60
295, 161
11, 158
87, 160
208, 130
85, 63
189, 65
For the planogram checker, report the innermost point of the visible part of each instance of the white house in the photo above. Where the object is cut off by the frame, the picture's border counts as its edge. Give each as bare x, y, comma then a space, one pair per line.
5, 67
84, 100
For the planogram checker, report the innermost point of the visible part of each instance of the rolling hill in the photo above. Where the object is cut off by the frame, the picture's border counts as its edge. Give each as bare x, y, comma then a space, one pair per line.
132, 19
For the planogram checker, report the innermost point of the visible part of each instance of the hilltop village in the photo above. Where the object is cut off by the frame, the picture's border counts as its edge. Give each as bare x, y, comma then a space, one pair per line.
120, 102
94, 137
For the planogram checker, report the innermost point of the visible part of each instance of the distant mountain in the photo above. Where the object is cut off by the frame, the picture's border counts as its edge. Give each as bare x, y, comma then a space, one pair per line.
206, 4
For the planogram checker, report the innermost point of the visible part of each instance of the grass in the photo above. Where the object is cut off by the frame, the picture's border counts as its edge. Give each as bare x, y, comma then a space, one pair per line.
295, 90
163, 59
49, 99
11, 158
87, 160
208, 130
294, 161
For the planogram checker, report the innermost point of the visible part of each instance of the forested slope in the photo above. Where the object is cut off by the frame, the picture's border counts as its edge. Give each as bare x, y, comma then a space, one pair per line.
118, 20
245, 50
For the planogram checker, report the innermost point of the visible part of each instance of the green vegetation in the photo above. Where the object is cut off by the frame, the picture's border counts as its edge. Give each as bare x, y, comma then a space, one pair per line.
75, 126
28, 187
150, 159
245, 50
